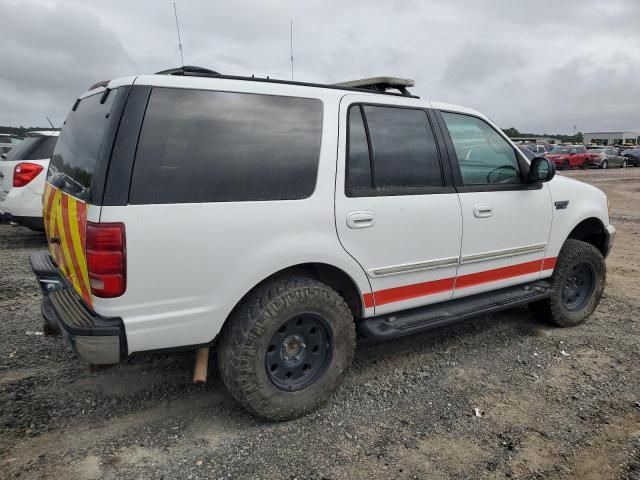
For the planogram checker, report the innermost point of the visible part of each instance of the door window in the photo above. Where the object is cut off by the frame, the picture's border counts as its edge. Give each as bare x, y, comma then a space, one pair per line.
391, 151
484, 156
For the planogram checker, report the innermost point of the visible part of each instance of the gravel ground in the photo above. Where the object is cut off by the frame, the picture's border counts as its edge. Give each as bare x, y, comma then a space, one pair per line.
554, 403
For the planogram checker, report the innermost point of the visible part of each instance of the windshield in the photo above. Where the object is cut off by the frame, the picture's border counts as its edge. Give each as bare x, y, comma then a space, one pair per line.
32, 148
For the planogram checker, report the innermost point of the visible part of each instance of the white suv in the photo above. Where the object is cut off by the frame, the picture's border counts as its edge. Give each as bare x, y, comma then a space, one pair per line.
272, 219
23, 171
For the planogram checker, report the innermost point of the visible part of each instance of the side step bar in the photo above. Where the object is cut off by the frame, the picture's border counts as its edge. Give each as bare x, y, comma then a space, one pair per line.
408, 322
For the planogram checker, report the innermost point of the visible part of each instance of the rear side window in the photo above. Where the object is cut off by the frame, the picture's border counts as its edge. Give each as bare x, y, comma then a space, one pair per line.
205, 146
76, 154
391, 151
33, 148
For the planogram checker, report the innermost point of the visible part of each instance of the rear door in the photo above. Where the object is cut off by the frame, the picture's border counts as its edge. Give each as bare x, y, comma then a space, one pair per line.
506, 222
75, 182
397, 212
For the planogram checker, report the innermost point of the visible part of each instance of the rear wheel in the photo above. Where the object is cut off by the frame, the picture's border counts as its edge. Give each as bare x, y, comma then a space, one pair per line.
578, 282
585, 164
623, 164
282, 352
604, 164
565, 165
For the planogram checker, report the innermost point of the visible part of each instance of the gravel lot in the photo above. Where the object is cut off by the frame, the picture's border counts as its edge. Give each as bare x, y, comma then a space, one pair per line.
555, 403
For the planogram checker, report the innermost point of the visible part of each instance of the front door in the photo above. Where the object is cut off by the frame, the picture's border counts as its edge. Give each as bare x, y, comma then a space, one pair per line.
397, 212
506, 221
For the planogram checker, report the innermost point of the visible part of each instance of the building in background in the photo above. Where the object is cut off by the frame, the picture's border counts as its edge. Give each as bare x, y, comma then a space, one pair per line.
612, 138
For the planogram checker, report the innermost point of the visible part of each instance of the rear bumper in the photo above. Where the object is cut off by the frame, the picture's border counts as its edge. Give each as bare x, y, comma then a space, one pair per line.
96, 339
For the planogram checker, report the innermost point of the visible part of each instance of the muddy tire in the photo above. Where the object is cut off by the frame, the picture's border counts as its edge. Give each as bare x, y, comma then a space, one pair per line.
578, 282
283, 350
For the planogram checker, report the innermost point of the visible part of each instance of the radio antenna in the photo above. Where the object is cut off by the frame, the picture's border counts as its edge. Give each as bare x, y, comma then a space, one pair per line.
291, 44
175, 12
50, 122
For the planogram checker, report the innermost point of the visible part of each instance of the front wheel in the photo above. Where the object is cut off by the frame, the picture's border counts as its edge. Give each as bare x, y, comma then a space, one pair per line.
282, 352
565, 165
578, 282
623, 164
604, 164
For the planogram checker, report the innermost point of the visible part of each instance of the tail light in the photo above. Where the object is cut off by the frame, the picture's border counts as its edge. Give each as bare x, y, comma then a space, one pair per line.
25, 172
106, 259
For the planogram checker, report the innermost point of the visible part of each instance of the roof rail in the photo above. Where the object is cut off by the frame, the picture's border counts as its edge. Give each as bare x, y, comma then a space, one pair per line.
381, 84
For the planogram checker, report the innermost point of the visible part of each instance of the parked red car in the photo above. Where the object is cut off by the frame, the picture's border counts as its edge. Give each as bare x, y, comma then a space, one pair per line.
571, 156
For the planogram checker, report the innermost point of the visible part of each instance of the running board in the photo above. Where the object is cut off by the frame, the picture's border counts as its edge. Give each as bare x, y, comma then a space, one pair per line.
399, 324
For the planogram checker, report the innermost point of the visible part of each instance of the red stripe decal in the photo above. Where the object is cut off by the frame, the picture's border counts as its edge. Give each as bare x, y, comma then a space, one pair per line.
368, 300
407, 292
473, 279
390, 295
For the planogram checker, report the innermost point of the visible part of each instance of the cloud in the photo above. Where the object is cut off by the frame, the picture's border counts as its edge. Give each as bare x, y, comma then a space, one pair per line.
538, 66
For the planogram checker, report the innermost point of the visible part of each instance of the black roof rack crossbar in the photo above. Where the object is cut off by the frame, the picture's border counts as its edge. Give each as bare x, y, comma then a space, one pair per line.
379, 85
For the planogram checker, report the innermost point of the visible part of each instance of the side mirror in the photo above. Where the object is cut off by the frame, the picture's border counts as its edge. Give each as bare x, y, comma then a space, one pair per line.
541, 170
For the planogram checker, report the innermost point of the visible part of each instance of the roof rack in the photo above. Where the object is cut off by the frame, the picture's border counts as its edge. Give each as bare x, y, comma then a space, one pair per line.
188, 70
380, 85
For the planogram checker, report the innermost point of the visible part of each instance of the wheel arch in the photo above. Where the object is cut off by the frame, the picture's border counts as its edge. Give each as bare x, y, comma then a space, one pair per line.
591, 230
333, 276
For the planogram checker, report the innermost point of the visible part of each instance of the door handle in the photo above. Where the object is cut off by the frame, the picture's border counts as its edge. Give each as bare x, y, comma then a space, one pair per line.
482, 210
360, 220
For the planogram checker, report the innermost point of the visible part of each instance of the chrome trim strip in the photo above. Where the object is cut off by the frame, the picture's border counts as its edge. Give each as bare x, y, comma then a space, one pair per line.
508, 252
413, 267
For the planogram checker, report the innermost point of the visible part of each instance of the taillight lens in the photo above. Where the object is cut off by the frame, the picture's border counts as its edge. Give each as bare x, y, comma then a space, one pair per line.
25, 172
106, 259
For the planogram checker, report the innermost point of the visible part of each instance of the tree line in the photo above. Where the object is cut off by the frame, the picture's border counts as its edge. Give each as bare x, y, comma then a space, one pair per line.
577, 138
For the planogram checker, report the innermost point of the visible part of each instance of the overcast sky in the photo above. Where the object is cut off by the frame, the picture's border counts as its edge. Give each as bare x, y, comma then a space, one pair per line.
537, 65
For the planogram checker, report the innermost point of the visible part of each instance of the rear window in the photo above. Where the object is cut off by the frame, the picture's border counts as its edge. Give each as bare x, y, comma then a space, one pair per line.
207, 146
75, 157
33, 148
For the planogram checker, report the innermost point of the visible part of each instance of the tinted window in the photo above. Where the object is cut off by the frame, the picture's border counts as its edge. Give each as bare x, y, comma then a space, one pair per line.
204, 146
359, 170
403, 148
75, 156
484, 156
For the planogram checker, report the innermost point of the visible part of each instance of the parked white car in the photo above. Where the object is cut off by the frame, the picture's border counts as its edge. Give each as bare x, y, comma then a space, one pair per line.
270, 219
23, 171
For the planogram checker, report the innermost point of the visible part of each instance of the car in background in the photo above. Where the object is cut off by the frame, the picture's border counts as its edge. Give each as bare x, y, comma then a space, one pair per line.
605, 157
632, 156
569, 156
8, 141
22, 176
537, 148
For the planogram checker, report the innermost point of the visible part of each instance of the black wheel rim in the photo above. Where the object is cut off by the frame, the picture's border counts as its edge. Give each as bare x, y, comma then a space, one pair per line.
578, 286
299, 352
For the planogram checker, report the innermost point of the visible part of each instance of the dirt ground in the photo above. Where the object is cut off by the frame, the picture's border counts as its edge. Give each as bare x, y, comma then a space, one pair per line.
554, 403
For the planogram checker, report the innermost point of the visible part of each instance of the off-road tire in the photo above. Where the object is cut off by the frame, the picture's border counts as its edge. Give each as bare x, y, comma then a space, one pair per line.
553, 310
247, 333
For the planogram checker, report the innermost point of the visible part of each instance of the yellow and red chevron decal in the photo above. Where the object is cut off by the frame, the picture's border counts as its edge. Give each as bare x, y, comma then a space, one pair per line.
65, 221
